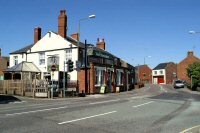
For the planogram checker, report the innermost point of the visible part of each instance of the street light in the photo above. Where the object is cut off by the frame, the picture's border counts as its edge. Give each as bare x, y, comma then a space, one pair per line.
79, 27
79, 24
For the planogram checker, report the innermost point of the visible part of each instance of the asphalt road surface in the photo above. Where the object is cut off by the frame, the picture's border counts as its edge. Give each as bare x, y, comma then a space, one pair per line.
152, 109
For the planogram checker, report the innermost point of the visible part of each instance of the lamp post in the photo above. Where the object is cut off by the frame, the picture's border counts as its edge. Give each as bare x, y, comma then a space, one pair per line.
79, 24
85, 61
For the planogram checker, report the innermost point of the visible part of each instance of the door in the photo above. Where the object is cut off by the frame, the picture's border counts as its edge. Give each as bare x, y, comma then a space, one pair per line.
155, 80
160, 80
109, 82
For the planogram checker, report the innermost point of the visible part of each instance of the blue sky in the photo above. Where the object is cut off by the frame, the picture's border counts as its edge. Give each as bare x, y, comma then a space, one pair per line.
132, 29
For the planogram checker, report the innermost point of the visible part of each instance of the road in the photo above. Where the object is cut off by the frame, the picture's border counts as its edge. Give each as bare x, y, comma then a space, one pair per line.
152, 109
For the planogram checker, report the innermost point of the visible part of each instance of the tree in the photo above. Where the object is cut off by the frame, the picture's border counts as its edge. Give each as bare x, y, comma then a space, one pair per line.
194, 74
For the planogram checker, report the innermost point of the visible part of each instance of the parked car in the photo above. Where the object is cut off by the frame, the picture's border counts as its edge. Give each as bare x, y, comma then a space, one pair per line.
178, 84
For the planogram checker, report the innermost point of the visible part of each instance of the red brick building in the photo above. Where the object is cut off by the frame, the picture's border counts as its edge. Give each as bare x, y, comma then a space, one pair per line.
144, 74
183, 65
4, 63
105, 70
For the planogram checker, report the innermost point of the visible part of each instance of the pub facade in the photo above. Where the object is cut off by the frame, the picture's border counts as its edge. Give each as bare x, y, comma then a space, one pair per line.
106, 72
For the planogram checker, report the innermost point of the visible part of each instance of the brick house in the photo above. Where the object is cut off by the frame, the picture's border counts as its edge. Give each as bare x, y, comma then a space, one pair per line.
4, 63
144, 73
105, 69
164, 73
183, 65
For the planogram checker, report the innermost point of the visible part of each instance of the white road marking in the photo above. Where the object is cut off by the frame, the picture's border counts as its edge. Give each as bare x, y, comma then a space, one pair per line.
36, 111
142, 104
139, 97
186, 131
65, 122
105, 101
17, 102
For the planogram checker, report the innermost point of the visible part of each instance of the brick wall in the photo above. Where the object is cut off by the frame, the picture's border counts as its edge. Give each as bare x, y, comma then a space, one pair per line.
145, 74
91, 80
81, 80
4, 62
171, 69
62, 23
183, 65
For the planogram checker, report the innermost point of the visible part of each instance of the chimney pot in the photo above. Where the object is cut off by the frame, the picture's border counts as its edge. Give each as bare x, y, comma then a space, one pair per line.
101, 44
62, 23
190, 53
75, 36
37, 34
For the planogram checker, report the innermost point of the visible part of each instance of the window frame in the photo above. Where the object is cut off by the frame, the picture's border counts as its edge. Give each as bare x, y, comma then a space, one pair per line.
15, 60
42, 58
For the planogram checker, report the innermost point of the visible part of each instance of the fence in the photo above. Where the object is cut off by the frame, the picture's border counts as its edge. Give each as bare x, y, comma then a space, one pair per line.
32, 88
23, 87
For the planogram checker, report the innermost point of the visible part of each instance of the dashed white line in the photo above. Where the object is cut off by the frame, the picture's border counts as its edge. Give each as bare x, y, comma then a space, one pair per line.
105, 101
36, 111
142, 104
65, 122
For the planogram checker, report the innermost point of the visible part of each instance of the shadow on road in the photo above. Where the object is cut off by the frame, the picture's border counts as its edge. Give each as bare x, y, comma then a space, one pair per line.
183, 96
5, 99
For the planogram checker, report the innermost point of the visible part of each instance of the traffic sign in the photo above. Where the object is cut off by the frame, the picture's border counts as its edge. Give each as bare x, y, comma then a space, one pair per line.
53, 68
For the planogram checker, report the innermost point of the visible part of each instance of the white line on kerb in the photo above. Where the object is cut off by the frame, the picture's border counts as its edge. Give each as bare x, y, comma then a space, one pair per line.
36, 111
105, 101
65, 122
142, 104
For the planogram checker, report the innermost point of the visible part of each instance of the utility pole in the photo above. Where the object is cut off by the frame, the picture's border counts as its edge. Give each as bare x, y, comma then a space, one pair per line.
86, 82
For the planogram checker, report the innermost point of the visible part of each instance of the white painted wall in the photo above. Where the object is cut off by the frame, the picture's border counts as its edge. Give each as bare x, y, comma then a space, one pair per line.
21, 57
155, 81
51, 44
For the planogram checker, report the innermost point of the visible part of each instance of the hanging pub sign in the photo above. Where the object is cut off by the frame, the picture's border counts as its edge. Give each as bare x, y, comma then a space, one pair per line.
53, 62
90, 51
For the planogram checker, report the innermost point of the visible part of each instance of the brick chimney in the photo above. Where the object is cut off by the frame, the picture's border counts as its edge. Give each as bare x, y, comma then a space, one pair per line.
37, 34
75, 36
190, 53
62, 23
101, 44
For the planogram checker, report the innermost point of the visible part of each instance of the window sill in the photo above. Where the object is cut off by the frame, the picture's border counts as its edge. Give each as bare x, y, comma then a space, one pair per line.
99, 85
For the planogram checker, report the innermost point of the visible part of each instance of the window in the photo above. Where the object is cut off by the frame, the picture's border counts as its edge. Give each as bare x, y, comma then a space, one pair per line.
119, 79
155, 72
69, 54
15, 60
99, 77
144, 75
161, 72
42, 58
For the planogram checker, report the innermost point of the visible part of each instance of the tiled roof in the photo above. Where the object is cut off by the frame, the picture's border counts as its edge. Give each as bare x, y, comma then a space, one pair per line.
23, 50
160, 66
